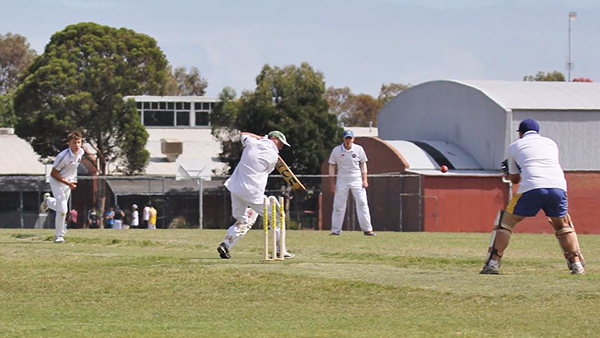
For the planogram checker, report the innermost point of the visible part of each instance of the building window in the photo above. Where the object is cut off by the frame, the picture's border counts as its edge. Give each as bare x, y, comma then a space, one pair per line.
179, 105
170, 105
138, 105
159, 118
162, 105
146, 105
183, 118
186, 105
155, 105
202, 118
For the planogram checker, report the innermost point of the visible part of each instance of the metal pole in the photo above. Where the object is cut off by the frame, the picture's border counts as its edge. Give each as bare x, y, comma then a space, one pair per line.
21, 208
572, 16
569, 61
201, 203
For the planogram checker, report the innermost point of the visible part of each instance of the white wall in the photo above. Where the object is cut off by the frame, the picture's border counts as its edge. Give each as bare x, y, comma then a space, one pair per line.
575, 133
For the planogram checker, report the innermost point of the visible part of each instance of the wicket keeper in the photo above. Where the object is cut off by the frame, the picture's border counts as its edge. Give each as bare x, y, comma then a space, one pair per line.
533, 164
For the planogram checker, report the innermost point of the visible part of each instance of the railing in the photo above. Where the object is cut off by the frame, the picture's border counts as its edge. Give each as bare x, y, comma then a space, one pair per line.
395, 201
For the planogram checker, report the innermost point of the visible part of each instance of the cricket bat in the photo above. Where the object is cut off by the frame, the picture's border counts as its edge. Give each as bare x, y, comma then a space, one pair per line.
288, 175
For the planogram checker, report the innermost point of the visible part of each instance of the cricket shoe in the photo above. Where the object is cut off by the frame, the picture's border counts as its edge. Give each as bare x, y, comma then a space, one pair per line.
334, 234
490, 270
44, 205
577, 269
370, 233
287, 255
223, 251
59, 239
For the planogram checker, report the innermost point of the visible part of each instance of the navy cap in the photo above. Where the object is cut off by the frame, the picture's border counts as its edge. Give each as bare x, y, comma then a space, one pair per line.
348, 133
528, 125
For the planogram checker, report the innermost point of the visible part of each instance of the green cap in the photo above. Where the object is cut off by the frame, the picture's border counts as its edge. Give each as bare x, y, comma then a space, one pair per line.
279, 135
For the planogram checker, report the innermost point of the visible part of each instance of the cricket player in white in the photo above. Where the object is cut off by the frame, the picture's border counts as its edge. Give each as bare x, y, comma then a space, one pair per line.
63, 179
247, 185
533, 164
351, 163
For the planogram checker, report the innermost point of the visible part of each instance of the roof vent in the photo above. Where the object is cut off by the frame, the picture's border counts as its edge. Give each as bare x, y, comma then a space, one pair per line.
171, 147
7, 131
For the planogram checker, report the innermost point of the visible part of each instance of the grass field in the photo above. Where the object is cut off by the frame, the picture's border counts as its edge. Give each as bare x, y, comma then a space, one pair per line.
171, 283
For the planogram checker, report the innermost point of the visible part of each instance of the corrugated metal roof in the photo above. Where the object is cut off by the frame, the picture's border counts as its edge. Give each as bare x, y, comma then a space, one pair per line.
541, 95
17, 157
419, 159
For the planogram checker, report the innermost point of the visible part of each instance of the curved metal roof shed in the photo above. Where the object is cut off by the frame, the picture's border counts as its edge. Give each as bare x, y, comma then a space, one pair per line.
481, 117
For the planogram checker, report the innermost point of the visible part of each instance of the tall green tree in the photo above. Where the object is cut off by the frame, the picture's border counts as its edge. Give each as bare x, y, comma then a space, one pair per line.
364, 110
15, 56
182, 82
545, 76
8, 118
80, 81
389, 91
350, 109
289, 99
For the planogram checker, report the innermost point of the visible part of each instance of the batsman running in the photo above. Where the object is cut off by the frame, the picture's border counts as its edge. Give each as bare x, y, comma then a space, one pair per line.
533, 164
247, 186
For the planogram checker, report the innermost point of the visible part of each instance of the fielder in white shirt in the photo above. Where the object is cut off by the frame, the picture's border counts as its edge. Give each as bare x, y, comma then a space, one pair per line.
63, 179
351, 163
247, 185
533, 164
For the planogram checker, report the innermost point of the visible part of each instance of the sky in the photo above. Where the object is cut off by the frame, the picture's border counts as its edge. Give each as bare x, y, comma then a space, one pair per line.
358, 44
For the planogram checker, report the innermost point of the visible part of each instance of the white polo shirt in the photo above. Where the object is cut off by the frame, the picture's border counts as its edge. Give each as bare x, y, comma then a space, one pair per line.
537, 157
66, 163
249, 178
348, 161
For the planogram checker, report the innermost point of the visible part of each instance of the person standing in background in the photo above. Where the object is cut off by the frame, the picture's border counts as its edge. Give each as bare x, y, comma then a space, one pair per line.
146, 216
109, 218
135, 217
153, 216
73, 218
119, 216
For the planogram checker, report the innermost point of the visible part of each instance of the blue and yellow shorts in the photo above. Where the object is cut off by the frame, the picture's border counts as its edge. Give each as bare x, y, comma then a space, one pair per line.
553, 201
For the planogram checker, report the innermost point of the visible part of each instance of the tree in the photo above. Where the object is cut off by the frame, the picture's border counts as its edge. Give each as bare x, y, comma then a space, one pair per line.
8, 118
288, 99
543, 76
350, 109
180, 82
338, 100
15, 57
389, 91
364, 110
79, 82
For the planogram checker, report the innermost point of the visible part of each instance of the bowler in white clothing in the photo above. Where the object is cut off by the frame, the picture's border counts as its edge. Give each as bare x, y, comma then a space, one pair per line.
247, 185
350, 161
63, 179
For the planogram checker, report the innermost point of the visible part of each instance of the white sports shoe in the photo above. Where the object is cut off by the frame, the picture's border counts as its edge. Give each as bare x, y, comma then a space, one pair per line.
44, 205
59, 239
287, 255
577, 269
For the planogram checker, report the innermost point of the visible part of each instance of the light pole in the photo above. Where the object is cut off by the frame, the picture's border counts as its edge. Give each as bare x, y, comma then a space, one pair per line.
572, 17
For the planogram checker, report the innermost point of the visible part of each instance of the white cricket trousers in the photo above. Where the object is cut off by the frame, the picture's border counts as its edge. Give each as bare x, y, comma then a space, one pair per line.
340, 200
58, 203
246, 214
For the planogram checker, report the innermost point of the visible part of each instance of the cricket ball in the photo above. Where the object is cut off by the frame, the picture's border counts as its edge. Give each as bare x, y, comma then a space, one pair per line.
443, 168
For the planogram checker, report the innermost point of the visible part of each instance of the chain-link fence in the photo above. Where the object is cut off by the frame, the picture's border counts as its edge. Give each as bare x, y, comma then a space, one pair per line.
395, 202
